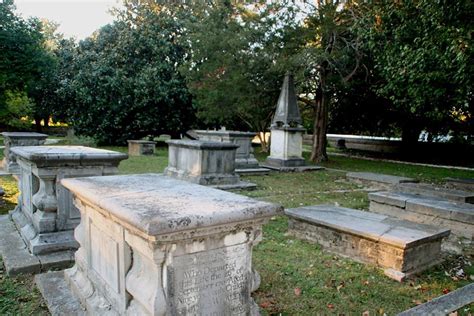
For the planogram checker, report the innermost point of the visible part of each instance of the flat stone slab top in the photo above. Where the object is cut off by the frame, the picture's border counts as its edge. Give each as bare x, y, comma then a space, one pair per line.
399, 246
378, 178
426, 189
226, 133
184, 143
58, 155
18, 260
24, 135
444, 304
138, 200
59, 298
292, 169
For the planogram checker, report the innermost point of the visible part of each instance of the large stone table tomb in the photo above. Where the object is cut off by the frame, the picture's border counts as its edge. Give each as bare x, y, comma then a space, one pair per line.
154, 245
45, 215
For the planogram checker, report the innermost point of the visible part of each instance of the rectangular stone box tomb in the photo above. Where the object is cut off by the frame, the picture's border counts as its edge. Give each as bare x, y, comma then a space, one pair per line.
141, 147
154, 245
45, 215
204, 162
244, 158
399, 247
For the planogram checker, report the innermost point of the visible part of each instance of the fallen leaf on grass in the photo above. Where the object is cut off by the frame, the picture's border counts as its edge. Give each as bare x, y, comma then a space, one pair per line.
297, 291
446, 291
330, 306
265, 304
366, 313
417, 302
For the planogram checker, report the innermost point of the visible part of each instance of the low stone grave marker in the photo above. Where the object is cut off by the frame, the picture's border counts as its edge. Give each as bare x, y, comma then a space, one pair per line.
15, 139
429, 190
45, 216
400, 247
205, 163
458, 217
153, 245
141, 147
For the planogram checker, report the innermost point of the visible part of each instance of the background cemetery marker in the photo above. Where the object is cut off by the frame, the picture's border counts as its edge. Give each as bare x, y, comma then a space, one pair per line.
15, 139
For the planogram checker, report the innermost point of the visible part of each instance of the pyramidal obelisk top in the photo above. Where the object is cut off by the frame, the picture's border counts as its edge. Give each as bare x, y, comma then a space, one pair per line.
287, 112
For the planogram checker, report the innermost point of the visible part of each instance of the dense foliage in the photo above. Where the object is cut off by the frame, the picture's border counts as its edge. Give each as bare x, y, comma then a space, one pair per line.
386, 68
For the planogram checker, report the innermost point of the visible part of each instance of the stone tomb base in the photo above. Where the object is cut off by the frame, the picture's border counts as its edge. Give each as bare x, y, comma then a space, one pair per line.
17, 258
289, 165
401, 248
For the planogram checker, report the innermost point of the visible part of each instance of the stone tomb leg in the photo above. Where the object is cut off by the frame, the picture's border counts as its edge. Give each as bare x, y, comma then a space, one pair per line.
16, 139
153, 245
45, 216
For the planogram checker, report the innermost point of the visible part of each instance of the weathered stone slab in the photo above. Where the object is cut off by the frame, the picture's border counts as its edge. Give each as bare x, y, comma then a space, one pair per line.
458, 217
59, 298
141, 147
17, 258
15, 139
393, 244
45, 215
426, 189
466, 184
205, 163
153, 245
378, 179
445, 304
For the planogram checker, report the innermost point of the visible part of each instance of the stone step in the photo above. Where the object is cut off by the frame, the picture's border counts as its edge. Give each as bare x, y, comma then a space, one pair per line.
383, 180
400, 247
426, 189
458, 217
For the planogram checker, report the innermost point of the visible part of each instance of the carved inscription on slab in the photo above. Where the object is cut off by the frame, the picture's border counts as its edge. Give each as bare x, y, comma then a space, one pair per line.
212, 283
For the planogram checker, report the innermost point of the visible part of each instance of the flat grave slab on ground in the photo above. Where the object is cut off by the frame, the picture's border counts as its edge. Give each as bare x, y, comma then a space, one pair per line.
382, 180
400, 247
17, 258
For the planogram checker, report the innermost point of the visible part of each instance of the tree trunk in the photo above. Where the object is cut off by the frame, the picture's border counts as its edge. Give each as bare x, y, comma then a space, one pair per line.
38, 124
318, 150
263, 141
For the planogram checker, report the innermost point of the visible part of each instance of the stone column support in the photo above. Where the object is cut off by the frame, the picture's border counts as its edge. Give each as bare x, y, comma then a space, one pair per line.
45, 199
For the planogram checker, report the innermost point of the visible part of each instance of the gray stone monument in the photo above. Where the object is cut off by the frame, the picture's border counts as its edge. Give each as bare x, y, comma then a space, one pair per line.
153, 245
45, 215
205, 163
15, 139
286, 144
245, 162
141, 147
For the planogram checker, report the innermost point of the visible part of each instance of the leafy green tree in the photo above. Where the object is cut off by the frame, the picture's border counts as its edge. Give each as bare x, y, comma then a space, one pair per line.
237, 62
125, 81
329, 56
21, 63
424, 56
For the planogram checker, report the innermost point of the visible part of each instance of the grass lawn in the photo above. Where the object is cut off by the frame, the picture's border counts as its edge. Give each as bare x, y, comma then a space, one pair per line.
298, 278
